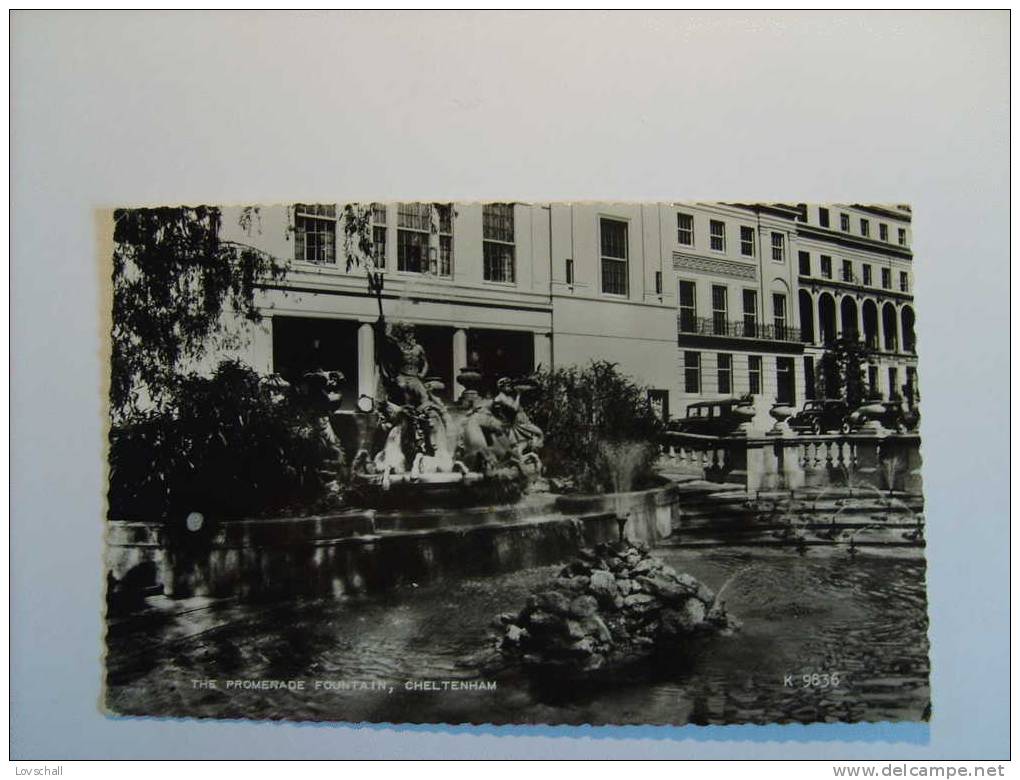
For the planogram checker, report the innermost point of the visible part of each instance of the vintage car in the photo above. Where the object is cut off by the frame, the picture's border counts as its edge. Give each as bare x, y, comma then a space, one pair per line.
824, 416
890, 414
714, 418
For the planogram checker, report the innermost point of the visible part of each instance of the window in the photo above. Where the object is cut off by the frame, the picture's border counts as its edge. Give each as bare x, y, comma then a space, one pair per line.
866, 273
747, 241
779, 314
804, 258
570, 270
778, 247
894, 383
865, 228
825, 261
750, 313
444, 211
848, 271
883, 231
685, 229
692, 372
498, 242
688, 310
719, 309
614, 256
784, 380
379, 234
809, 377
904, 282
717, 235
886, 279
844, 223
754, 374
901, 234
414, 226
725, 373
315, 233
823, 217
872, 379
658, 282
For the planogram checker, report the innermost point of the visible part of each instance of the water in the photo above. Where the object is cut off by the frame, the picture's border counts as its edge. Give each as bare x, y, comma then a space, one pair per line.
862, 618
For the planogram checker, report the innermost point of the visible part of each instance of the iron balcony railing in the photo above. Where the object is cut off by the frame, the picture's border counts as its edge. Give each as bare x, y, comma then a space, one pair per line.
742, 329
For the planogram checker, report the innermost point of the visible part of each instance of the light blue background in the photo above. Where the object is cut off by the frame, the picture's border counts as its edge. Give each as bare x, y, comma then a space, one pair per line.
129, 108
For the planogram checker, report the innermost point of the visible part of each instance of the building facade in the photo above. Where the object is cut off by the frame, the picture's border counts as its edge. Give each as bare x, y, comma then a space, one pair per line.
695, 301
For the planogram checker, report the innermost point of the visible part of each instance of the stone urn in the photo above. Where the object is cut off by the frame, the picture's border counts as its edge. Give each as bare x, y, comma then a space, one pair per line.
743, 415
470, 378
781, 413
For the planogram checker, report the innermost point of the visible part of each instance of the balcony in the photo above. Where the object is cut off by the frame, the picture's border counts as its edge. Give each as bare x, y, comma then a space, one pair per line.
739, 329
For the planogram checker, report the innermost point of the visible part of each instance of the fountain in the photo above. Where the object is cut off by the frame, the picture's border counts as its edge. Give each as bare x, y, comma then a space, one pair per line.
411, 450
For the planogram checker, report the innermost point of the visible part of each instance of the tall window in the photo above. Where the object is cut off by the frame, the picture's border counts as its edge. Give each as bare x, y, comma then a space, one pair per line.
444, 211
779, 314
809, 377
865, 228
658, 282
883, 231
784, 380
315, 233
904, 282
754, 374
825, 261
725, 372
848, 271
379, 234
901, 235
747, 241
719, 309
750, 313
778, 247
804, 258
414, 226
614, 256
844, 223
886, 279
717, 235
872, 379
688, 309
685, 229
894, 383
866, 274
692, 372
569, 270
823, 217
498, 242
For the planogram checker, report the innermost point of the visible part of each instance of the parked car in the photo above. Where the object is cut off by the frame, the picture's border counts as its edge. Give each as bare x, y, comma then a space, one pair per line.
893, 417
714, 418
822, 416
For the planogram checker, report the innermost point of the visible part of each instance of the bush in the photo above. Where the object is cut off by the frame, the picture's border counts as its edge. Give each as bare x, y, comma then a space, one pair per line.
600, 430
223, 446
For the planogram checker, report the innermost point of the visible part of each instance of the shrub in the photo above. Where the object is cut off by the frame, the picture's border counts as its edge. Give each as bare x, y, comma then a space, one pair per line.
599, 427
222, 445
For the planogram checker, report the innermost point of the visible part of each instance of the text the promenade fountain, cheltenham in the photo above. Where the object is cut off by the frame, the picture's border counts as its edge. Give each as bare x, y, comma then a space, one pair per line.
411, 450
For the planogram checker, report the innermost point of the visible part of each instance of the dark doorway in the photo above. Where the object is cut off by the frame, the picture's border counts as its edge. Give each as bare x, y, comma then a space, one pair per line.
500, 353
302, 344
809, 377
785, 392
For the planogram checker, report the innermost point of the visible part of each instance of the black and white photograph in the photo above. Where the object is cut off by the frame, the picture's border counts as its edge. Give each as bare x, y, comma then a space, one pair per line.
562, 463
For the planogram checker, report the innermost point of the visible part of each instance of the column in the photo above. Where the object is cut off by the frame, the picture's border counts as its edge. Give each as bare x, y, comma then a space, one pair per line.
459, 359
543, 350
838, 302
899, 330
860, 318
816, 307
366, 360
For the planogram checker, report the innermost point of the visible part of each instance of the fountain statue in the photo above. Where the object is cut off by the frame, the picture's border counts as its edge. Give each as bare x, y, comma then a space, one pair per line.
406, 435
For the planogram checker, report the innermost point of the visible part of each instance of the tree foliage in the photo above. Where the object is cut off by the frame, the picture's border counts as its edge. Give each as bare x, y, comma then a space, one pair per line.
596, 420
173, 277
841, 371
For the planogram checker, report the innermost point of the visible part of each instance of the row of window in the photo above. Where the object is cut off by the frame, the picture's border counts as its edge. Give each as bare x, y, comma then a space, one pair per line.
424, 238
864, 223
847, 272
688, 308
724, 375
717, 237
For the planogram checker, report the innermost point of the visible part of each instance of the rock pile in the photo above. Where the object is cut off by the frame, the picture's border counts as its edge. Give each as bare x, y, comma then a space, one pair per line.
611, 605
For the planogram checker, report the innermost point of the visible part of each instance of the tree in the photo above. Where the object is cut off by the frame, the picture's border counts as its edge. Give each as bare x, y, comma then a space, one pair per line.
173, 278
840, 371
